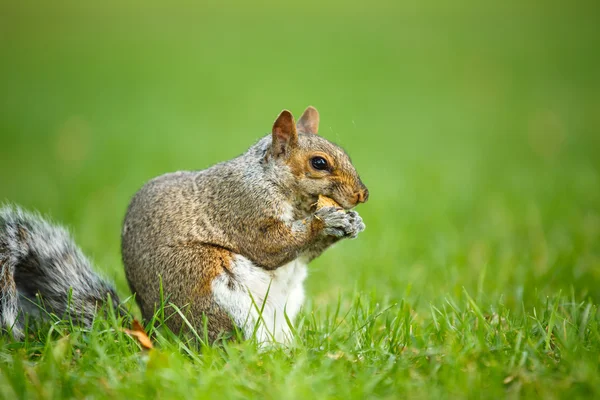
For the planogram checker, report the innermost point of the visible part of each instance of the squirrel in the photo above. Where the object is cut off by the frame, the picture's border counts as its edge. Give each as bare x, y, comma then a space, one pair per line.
228, 245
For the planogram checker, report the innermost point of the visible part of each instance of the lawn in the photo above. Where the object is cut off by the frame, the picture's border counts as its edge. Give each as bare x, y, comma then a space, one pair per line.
475, 126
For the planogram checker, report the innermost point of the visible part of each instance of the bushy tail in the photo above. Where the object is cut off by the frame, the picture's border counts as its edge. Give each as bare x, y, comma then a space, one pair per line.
40, 263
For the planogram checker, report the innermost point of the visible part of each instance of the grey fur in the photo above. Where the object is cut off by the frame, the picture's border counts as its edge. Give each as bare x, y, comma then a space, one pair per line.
340, 223
39, 260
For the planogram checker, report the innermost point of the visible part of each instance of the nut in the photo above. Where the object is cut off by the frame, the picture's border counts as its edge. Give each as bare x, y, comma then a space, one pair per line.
325, 201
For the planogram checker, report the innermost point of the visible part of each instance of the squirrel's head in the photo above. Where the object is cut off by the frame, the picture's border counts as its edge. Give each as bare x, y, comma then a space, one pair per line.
318, 166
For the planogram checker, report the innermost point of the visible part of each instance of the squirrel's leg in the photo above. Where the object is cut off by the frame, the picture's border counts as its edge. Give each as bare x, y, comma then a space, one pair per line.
188, 272
276, 242
229, 290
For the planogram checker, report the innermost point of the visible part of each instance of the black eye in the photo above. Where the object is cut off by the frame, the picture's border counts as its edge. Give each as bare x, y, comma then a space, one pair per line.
319, 163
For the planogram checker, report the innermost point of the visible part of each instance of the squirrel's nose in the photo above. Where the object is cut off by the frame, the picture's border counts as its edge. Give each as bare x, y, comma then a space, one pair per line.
362, 196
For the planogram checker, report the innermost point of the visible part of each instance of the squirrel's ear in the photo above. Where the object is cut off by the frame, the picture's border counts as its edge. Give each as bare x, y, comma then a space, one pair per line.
284, 133
309, 121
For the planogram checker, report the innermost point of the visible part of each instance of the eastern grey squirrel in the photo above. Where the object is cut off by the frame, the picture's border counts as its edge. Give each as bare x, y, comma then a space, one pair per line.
228, 245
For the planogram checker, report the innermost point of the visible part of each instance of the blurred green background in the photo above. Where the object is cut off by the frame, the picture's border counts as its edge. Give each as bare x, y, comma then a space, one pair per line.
475, 125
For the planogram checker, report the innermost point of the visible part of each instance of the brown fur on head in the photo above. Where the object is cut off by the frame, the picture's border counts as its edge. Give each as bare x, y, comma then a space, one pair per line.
319, 166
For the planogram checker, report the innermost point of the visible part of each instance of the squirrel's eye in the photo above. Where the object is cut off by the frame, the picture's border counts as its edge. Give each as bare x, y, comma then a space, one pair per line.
319, 163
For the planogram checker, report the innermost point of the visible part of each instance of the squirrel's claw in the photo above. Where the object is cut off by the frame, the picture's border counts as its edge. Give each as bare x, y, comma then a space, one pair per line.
340, 223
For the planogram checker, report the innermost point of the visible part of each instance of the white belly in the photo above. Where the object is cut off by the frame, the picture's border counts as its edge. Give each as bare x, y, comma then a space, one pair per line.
250, 289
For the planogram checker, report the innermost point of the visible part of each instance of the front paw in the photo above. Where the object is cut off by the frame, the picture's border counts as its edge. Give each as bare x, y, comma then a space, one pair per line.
340, 223
356, 223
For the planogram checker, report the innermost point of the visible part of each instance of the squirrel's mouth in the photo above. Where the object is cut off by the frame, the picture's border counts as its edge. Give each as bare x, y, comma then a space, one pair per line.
348, 203
335, 200
342, 202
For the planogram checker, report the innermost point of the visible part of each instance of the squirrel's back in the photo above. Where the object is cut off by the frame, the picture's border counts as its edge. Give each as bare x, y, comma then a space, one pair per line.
185, 209
194, 205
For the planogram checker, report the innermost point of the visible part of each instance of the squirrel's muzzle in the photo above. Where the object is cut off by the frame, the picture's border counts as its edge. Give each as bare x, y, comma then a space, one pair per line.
361, 196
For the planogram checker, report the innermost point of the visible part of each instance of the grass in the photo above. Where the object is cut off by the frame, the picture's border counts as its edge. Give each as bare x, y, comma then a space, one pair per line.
361, 349
475, 127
